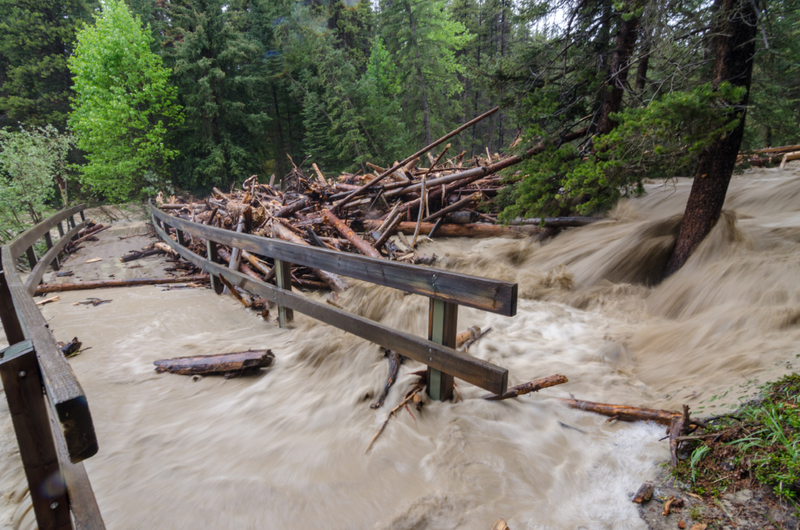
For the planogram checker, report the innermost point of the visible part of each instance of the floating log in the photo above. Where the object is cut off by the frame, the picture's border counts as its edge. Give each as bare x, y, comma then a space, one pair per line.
464, 336
395, 360
527, 388
624, 413
229, 364
101, 284
363, 247
462, 230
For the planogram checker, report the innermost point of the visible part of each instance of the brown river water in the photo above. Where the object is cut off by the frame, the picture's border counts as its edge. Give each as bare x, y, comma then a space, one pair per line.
287, 448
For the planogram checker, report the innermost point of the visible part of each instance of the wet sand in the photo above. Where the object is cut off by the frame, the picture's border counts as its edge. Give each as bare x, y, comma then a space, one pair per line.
287, 447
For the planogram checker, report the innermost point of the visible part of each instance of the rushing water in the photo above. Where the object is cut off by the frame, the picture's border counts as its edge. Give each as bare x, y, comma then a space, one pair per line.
287, 448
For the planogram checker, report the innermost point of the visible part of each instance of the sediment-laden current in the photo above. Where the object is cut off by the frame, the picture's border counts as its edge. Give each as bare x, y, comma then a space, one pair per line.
287, 448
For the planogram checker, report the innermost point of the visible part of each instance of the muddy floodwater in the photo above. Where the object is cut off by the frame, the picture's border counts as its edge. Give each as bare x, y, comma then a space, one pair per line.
286, 449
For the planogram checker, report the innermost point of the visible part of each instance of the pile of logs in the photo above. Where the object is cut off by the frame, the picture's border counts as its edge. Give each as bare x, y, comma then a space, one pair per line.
413, 199
770, 156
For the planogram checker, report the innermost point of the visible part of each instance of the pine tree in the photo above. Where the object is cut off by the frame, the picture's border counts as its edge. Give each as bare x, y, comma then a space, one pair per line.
36, 37
219, 69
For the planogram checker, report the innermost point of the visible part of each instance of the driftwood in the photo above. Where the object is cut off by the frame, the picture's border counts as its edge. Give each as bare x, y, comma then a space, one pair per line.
229, 364
363, 247
411, 396
87, 236
472, 340
332, 280
395, 360
624, 413
101, 284
527, 388
139, 254
70, 348
644, 493
464, 336
463, 230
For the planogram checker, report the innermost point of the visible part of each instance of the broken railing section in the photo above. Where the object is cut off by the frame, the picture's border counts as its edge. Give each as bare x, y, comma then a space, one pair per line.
52, 444
446, 290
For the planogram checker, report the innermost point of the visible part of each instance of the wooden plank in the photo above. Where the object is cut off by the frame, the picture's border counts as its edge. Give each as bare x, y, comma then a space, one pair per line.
85, 512
470, 369
64, 393
19, 244
283, 279
38, 271
8, 313
23, 388
442, 329
471, 291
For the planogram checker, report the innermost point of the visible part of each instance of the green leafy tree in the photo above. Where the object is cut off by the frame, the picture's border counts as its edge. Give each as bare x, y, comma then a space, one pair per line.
123, 105
36, 37
32, 161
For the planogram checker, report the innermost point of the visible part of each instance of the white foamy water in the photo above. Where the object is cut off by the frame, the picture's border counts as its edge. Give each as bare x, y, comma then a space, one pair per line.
287, 448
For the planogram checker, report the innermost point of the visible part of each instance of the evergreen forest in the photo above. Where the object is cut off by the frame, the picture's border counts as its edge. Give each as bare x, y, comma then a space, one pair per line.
184, 95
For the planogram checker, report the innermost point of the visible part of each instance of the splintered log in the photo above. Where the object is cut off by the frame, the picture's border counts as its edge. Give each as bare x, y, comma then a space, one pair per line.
101, 284
624, 413
289, 209
363, 247
229, 364
464, 336
462, 230
527, 388
419, 153
255, 262
395, 360
332, 280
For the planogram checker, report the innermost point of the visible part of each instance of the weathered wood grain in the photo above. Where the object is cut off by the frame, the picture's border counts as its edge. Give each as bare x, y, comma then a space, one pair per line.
25, 240
38, 271
471, 291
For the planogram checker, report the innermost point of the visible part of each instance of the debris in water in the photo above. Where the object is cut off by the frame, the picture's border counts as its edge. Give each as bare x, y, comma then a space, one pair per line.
93, 260
229, 364
48, 300
645, 493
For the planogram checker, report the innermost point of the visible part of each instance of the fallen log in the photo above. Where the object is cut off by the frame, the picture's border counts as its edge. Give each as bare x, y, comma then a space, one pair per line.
462, 230
558, 222
644, 493
87, 236
255, 262
789, 156
331, 280
464, 336
101, 284
475, 197
624, 413
419, 153
395, 360
228, 364
289, 209
363, 247
527, 388
141, 254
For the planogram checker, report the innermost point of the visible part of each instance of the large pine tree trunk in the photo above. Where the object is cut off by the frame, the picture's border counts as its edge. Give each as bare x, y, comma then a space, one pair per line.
426, 118
618, 73
734, 47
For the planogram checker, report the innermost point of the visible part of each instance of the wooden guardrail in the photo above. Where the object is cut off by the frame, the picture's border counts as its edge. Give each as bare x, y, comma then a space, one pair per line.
55, 430
446, 290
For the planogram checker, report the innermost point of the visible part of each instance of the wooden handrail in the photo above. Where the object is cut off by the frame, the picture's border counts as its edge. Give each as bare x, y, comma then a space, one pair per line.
471, 291
476, 371
69, 428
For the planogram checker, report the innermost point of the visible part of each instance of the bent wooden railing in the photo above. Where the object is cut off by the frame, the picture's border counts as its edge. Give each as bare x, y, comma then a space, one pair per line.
54, 428
446, 290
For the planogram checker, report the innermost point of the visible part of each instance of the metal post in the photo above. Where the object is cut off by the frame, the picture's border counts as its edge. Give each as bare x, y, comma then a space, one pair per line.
49, 241
442, 329
211, 252
283, 279
22, 383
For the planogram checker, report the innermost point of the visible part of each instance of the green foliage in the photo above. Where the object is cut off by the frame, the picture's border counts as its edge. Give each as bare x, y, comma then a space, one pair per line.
36, 37
122, 107
30, 162
659, 140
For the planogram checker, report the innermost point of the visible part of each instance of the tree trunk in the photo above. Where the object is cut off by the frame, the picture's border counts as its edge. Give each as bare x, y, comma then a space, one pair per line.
734, 49
618, 73
426, 118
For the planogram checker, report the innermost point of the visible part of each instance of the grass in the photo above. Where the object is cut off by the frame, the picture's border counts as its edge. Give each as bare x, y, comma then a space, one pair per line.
759, 443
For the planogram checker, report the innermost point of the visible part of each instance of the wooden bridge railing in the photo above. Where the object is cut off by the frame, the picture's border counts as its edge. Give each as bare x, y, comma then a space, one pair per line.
48, 407
446, 290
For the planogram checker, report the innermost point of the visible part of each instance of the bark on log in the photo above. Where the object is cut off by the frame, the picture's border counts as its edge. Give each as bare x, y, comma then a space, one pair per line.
395, 360
527, 388
140, 254
363, 247
229, 364
255, 262
644, 493
331, 280
100, 284
462, 230
624, 413
87, 236
289, 209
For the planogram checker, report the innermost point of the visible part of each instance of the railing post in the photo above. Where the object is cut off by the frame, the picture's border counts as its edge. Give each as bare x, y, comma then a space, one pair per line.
60, 230
49, 241
83, 216
31, 257
22, 383
181, 237
442, 329
211, 252
8, 313
283, 279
